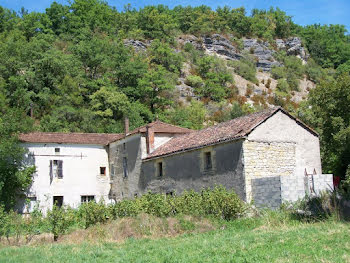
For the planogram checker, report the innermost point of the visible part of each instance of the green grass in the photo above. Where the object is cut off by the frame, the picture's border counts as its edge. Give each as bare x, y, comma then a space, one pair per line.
245, 240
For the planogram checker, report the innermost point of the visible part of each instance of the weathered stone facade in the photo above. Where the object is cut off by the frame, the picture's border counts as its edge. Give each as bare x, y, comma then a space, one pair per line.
125, 185
187, 171
267, 159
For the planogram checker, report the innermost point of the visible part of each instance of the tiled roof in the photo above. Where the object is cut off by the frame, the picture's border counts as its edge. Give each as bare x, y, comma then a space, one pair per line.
73, 138
161, 127
226, 131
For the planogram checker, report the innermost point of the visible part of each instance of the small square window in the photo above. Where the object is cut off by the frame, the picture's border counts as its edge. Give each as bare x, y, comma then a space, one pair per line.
57, 150
208, 162
102, 170
87, 198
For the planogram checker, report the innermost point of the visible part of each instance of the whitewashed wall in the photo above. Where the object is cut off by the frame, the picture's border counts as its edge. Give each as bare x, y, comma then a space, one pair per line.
81, 173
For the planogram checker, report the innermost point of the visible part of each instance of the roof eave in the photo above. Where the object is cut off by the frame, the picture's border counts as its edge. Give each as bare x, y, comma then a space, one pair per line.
194, 148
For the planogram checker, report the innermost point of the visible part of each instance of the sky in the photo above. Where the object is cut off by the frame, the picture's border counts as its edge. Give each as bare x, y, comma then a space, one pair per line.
304, 12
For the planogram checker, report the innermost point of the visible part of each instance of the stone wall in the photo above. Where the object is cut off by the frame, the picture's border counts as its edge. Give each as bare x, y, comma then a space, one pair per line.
185, 171
121, 186
267, 159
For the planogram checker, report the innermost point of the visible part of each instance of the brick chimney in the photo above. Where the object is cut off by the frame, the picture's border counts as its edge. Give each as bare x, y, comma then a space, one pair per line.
149, 139
126, 126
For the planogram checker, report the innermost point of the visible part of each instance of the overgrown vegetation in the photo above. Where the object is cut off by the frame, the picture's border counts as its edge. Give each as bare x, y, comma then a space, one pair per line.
218, 203
69, 69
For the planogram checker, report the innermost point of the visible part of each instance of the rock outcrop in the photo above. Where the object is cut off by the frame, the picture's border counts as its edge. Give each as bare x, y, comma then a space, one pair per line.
293, 47
262, 51
222, 46
137, 44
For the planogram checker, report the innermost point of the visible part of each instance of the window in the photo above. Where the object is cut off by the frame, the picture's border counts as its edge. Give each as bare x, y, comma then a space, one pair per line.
102, 170
56, 169
87, 198
171, 193
208, 163
124, 146
58, 201
125, 167
160, 169
30, 204
57, 150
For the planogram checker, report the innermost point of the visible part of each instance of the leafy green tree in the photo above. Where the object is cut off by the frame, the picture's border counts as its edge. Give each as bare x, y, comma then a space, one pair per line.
15, 171
155, 88
162, 54
328, 109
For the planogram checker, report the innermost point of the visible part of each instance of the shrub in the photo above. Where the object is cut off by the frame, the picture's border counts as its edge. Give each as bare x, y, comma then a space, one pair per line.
246, 68
282, 85
249, 90
221, 203
59, 220
278, 72
194, 81
91, 213
268, 83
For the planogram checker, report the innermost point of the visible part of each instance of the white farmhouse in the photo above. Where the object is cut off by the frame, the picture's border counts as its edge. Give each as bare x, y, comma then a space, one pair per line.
71, 168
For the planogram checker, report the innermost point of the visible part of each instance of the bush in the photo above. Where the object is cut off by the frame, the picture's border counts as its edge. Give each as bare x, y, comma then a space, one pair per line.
245, 68
59, 220
194, 81
282, 85
91, 213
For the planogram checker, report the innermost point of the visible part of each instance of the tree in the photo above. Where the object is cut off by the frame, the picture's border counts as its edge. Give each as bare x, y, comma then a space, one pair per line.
328, 110
15, 172
155, 87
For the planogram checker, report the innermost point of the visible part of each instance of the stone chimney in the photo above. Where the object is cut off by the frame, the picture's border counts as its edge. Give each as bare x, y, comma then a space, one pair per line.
149, 139
126, 126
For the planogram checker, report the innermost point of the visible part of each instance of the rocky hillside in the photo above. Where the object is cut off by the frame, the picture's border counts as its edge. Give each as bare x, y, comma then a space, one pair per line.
228, 48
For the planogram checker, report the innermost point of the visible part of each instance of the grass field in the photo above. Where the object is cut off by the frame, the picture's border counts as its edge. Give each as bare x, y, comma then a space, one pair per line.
244, 240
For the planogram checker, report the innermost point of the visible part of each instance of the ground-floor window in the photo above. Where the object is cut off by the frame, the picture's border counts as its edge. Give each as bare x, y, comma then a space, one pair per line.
30, 204
58, 200
87, 198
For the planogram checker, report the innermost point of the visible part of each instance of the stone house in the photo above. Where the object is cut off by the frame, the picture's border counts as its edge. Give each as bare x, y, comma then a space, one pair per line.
269, 157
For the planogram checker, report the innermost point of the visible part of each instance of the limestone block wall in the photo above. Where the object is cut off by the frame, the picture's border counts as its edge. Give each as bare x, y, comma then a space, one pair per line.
267, 159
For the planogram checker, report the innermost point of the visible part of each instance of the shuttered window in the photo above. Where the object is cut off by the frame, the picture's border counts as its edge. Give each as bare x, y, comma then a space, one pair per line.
56, 169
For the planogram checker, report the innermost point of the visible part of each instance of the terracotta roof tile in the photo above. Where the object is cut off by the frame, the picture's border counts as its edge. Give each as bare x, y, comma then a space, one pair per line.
161, 127
74, 138
225, 131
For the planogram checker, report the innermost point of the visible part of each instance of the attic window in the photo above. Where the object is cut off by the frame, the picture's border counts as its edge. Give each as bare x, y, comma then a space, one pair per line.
102, 170
208, 162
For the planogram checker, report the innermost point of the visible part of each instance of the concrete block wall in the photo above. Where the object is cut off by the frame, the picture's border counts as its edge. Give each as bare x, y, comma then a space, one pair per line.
321, 182
292, 188
266, 192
